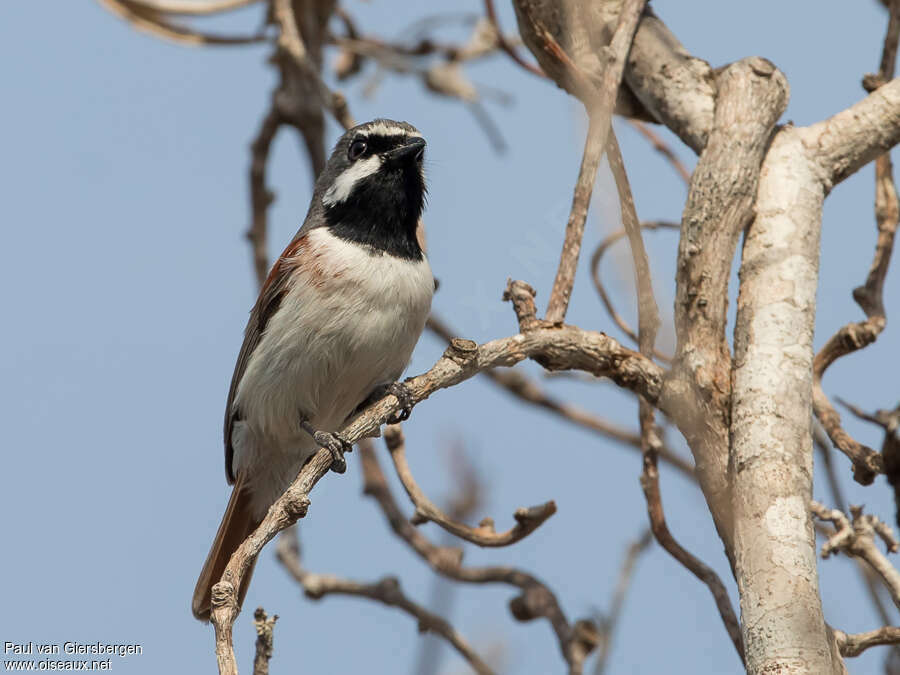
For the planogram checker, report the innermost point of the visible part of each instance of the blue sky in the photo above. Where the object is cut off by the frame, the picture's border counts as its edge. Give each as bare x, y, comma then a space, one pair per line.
126, 284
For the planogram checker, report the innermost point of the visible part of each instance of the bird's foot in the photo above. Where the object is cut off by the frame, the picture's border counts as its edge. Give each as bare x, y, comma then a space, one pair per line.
405, 397
332, 442
337, 446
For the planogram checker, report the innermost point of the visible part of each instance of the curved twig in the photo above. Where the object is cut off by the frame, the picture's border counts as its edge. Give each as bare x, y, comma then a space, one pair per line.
527, 519
650, 485
597, 256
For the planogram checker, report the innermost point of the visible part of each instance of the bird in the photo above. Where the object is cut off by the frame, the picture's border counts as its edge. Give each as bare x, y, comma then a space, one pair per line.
333, 328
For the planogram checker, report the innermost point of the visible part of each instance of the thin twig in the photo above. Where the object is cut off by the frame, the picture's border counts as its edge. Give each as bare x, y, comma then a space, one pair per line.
650, 485
599, 103
535, 600
858, 539
869, 296
662, 148
855, 644
527, 519
597, 256
265, 628
387, 590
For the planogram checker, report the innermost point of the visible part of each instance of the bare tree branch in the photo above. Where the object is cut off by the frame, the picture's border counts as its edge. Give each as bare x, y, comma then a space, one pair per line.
855, 644
536, 600
387, 590
858, 539
650, 485
527, 519
847, 141
526, 389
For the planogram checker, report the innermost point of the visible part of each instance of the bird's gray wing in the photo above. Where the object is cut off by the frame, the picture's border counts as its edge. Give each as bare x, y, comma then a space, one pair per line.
268, 302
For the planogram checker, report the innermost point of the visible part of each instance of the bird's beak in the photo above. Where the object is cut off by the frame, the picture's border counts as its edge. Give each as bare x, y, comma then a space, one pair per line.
414, 147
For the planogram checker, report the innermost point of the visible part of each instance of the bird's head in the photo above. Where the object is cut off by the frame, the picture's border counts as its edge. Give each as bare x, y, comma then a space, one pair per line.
372, 190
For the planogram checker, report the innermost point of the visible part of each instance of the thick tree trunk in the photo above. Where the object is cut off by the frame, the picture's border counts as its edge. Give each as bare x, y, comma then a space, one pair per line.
771, 457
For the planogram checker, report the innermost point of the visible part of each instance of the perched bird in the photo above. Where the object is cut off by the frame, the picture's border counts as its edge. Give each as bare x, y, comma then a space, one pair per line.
333, 328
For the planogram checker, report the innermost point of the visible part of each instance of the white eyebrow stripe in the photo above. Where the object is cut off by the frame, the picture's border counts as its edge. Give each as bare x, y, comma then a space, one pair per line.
385, 129
343, 184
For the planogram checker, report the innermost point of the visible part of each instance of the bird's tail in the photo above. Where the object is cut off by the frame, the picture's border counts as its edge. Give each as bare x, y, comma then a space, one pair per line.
237, 524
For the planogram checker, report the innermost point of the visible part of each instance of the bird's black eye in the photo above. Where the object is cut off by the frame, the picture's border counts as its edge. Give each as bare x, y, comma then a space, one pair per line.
357, 149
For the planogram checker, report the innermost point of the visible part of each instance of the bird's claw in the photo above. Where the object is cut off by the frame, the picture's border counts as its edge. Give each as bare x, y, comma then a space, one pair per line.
337, 446
404, 396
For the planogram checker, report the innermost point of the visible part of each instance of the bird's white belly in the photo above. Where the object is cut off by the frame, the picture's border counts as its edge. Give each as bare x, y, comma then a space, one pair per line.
348, 324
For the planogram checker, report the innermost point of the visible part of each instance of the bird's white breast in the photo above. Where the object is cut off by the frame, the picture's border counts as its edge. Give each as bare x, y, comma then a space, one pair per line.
347, 324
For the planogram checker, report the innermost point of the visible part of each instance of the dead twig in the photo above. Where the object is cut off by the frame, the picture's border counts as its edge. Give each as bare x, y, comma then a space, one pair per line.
855, 644
265, 628
387, 590
858, 539
527, 519
889, 421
